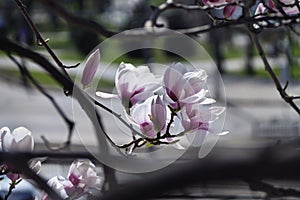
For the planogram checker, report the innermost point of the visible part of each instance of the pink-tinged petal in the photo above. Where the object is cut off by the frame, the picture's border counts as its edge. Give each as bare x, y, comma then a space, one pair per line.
229, 11
172, 78
13, 176
83, 175
260, 9
271, 4
90, 68
158, 114
140, 113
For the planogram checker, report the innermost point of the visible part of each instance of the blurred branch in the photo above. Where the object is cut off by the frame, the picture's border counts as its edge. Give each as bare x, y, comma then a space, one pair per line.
172, 5
282, 90
69, 122
10, 47
271, 191
280, 162
272, 20
20, 164
71, 18
40, 40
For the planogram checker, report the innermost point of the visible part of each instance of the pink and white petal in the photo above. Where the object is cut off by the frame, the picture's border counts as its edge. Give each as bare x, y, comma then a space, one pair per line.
90, 68
229, 11
173, 75
159, 116
140, 113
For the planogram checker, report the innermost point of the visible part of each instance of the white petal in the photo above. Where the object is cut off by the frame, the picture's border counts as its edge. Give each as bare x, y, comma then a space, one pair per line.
105, 95
20, 133
3, 131
24, 140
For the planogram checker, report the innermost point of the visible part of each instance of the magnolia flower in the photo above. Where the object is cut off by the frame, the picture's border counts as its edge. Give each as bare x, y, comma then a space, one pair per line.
228, 10
57, 183
19, 140
183, 87
133, 84
151, 116
82, 177
82, 174
90, 68
196, 120
289, 7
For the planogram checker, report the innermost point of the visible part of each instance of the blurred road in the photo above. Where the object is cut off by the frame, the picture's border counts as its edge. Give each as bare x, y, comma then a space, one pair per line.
250, 103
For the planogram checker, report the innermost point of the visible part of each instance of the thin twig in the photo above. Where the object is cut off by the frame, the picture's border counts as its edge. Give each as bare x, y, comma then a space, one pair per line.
8, 46
268, 68
40, 39
85, 23
172, 5
11, 188
272, 191
69, 122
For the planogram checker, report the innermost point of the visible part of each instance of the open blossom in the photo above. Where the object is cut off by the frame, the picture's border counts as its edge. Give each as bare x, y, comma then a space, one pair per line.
151, 116
90, 68
20, 140
133, 84
184, 87
82, 174
196, 121
82, 177
289, 7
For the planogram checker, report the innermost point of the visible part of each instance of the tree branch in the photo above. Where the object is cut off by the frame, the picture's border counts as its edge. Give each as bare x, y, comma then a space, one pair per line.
271, 191
39, 37
70, 18
84, 101
282, 90
69, 122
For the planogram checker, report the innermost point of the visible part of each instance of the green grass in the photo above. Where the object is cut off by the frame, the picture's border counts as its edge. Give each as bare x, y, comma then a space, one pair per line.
261, 72
46, 80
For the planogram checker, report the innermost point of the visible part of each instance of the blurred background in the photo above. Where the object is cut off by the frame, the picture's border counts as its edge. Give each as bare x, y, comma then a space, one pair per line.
256, 116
